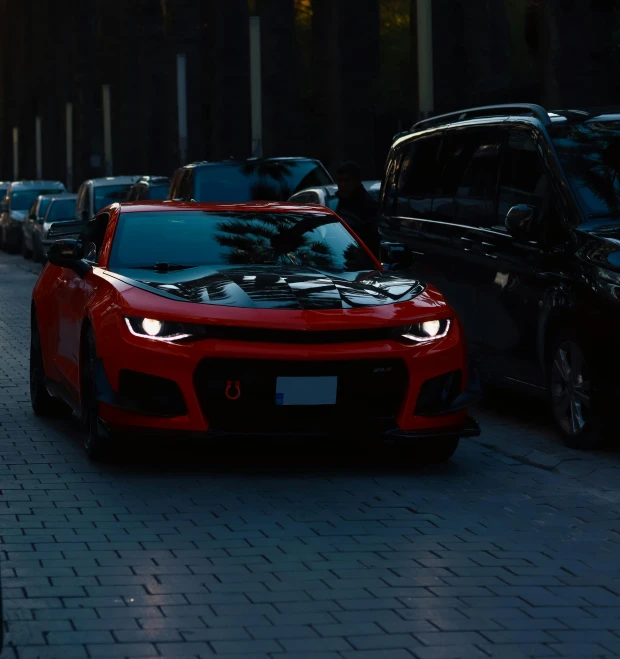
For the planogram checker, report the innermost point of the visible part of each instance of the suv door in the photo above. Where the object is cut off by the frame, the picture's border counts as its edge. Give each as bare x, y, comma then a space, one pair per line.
513, 289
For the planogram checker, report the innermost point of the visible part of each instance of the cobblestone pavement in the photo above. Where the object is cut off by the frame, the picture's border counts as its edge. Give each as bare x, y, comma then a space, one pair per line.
331, 552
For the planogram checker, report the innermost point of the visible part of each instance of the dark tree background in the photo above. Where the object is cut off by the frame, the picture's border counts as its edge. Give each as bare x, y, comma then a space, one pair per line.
339, 76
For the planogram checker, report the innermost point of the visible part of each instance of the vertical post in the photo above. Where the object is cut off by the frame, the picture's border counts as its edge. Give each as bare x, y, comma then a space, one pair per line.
425, 57
256, 87
38, 147
15, 153
182, 107
69, 137
107, 130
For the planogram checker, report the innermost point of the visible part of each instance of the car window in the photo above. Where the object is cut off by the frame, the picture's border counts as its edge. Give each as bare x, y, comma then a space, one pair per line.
523, 176
109, 194
194, 238
61, 209
21, 199
468, 180
418, 176
42, 209
260, 180
186, 188
157, 192
134, 191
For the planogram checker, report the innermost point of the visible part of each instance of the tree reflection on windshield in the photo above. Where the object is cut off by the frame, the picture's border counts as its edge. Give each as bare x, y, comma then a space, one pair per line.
590, 155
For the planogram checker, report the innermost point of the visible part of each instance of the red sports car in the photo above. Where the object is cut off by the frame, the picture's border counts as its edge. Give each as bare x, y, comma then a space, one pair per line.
262, 318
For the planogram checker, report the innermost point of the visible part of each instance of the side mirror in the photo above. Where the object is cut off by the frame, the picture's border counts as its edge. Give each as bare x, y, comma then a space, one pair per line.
63, 230
395, 255
68, 253
519, 220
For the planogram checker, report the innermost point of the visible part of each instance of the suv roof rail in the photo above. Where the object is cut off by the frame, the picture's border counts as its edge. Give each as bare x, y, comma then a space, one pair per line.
486, 111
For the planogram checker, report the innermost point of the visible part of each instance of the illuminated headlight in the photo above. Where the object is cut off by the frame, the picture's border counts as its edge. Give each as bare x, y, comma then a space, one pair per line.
162, 330
429, 330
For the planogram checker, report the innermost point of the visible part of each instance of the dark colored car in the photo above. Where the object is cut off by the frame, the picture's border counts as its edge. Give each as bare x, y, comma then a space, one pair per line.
150, 187
17, 203
242, 181
35, 216
60, 210
187, 319
514, 213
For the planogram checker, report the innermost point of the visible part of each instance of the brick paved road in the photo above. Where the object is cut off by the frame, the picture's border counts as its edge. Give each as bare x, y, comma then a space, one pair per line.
329, 553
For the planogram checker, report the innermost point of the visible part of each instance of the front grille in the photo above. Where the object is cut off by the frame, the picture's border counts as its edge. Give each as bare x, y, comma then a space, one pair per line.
313, 337
369, 395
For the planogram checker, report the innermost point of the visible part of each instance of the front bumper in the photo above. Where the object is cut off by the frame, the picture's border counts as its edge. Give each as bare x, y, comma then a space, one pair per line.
384, 383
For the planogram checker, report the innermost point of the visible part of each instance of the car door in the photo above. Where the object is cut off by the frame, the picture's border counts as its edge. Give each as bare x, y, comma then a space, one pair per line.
513, 288
73, 295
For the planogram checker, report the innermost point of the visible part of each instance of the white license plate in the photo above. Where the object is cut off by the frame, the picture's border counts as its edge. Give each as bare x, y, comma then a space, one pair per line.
306, 391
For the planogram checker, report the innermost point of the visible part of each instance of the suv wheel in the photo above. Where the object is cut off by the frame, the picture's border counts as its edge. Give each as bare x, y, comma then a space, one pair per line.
573, 397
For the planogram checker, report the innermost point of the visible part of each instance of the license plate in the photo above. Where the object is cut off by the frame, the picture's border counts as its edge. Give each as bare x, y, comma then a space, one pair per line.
306, 391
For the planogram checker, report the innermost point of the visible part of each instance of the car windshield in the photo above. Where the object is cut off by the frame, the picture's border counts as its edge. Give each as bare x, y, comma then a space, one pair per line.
590, 155
21, 199
158, 192
195, 238
61, 209
110, 194
257, 180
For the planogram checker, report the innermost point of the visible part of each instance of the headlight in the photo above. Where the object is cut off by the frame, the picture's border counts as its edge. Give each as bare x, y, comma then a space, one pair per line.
429, 330
162, 330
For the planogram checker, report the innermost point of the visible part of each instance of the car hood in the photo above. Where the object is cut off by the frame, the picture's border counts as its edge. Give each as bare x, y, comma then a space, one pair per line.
600, 244
266, 287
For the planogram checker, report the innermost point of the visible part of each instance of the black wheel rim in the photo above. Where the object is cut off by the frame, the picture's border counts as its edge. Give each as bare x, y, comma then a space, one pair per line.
571, 391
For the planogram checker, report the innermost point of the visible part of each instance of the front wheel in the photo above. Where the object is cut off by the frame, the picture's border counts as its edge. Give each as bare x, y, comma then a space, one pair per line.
573, 398
98, 442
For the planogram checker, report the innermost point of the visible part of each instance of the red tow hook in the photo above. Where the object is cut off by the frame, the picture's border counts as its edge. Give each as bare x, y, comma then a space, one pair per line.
233, 392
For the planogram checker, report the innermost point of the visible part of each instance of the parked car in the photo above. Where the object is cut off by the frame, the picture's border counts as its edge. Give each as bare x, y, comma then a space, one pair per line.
97, 193
238, 319
239, 181
514, 213
60, 209
149, 187
19, 198
326, 195
37, 211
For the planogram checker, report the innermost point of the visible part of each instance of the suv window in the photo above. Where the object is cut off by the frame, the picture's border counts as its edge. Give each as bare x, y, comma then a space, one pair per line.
468, 181
523, 176
418, 177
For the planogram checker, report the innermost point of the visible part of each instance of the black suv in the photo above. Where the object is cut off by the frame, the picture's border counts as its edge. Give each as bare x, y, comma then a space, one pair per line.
513, 212
254, 179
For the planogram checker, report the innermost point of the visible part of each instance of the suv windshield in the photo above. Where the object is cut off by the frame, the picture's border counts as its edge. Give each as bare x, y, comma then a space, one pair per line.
590, 155
257, 180
21, 199
194, 238
110, 194
61, 209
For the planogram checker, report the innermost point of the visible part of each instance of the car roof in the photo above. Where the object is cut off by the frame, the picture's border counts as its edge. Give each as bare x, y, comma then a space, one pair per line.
35, 184
114, 180
59, 197
256, 206
234, 161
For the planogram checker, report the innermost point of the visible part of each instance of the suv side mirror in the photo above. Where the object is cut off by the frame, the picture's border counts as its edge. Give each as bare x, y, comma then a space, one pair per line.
519, 220
395, 255
68, 253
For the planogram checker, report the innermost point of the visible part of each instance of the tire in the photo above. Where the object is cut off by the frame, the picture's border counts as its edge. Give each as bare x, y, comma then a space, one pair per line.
431, 451
98, 442
42, 403
573, 399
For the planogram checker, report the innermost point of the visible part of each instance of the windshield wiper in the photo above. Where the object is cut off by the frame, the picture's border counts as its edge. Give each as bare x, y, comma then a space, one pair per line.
162, 267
